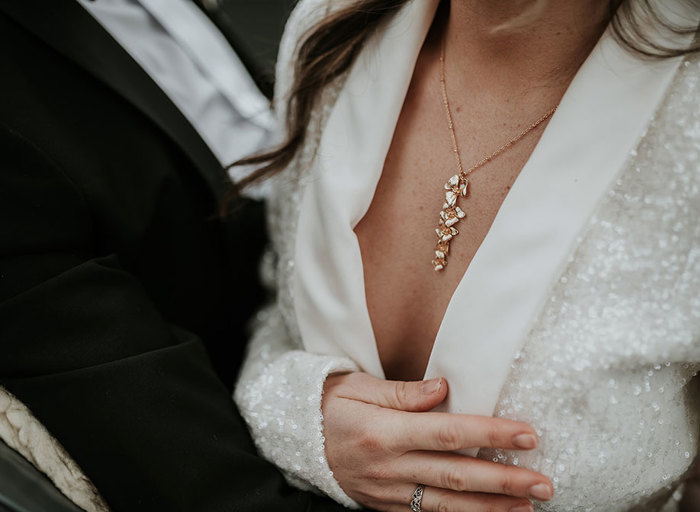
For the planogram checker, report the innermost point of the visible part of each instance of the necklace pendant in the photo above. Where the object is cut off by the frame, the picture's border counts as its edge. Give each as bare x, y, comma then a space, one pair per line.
457, 186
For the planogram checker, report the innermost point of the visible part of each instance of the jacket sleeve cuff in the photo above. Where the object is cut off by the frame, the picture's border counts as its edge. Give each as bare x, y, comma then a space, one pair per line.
279, 393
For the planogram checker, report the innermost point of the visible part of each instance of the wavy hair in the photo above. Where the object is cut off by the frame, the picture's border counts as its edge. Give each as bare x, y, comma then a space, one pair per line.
329, 48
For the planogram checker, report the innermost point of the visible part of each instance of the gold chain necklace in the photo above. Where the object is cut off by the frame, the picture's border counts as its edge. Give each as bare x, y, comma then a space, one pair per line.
458, 185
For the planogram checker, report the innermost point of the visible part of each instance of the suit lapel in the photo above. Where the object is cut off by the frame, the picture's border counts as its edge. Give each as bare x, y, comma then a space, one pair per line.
69, 29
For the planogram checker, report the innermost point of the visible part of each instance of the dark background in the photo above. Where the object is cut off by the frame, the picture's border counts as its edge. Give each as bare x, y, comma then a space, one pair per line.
257, 26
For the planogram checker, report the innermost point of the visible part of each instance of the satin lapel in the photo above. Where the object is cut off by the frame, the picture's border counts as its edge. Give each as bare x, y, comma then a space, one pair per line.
600, 121
69, 29
329, 279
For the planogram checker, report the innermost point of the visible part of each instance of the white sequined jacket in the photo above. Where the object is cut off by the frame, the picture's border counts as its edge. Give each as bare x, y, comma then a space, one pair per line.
582, 304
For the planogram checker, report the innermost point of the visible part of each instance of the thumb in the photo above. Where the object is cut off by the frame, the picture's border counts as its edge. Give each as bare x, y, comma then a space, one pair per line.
414, 396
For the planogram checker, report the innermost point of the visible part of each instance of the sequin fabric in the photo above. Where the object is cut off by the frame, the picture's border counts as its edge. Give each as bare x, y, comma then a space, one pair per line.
280, 386
607, 372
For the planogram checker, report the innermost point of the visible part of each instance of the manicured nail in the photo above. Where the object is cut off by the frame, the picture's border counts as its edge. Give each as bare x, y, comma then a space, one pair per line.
525, 441
540, 492
522, 508
429, 387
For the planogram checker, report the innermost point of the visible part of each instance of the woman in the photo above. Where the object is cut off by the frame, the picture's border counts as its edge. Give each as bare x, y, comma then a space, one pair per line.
564, 301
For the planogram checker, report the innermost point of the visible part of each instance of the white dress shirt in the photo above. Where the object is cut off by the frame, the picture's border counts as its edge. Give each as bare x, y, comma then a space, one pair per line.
188, 57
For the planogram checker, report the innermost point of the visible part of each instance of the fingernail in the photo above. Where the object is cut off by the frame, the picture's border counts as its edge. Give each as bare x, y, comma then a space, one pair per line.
540, 492
525, 441
428, 387
522, 508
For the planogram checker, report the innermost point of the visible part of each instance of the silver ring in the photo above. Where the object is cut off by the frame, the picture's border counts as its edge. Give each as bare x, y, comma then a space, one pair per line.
417, 498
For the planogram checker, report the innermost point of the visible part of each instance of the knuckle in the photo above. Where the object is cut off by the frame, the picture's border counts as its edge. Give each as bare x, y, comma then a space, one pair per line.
448, 436
444, 505
494, 436
508, 486
401, 395
453, 479
369, 441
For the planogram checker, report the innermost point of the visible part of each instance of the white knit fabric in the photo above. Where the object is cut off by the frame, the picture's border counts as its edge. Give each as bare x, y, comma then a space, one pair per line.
22, 432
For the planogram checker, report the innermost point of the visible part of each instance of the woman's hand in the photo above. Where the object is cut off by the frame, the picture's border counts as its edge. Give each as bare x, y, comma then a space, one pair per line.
380, 444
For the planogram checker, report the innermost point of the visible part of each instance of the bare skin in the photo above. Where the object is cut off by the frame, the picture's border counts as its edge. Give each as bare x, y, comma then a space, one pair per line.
499, 82
381, 438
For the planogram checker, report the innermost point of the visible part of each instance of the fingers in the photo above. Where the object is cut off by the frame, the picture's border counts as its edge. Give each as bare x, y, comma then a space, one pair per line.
405, 396
458, 473
434, 431
442, 500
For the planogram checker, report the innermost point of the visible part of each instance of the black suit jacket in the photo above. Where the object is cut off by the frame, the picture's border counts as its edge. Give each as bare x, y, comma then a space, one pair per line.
123, 297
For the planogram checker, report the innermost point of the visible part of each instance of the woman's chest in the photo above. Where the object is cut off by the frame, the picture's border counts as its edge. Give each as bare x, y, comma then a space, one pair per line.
406, 297
616, 439
605, 374
634, 271
607, 377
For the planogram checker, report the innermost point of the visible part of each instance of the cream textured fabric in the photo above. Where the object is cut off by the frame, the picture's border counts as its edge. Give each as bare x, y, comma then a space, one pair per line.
606, 372
21, 431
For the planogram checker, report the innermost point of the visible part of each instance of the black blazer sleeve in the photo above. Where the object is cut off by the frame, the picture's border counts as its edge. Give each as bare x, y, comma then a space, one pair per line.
132, 398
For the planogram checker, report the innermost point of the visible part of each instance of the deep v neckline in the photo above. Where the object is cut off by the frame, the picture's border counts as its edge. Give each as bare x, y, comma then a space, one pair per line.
601, 117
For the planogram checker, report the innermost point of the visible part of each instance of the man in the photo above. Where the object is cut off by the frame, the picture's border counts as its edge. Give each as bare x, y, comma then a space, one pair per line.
123, 295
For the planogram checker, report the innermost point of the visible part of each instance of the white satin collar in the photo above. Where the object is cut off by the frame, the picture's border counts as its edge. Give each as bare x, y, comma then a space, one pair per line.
329, 283
599, 122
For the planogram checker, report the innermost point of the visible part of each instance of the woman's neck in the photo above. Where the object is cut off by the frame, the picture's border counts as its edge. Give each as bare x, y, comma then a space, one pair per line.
534, 43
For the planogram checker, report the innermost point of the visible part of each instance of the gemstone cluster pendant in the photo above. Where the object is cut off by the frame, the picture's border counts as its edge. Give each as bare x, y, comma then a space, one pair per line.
457, 186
